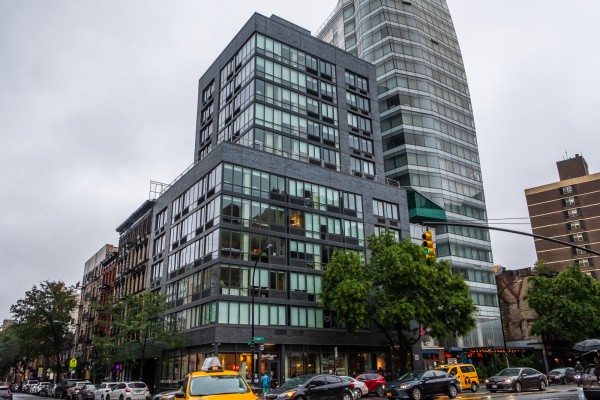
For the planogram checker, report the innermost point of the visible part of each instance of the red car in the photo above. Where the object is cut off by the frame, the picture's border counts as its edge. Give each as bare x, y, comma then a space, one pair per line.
375, 383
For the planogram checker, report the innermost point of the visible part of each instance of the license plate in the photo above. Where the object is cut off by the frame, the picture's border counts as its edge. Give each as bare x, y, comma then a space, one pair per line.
494, 386
389, 394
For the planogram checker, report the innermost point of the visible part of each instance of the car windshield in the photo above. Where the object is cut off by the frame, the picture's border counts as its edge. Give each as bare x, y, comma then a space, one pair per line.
411, 376
556, 371
295, 382
3, 390
90, 387
509, 372
218, 384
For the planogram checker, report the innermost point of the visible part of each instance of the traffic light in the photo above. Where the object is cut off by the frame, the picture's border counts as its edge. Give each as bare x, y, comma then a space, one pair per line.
428, 247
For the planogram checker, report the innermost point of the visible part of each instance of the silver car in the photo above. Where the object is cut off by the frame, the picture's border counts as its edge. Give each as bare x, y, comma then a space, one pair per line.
359, 389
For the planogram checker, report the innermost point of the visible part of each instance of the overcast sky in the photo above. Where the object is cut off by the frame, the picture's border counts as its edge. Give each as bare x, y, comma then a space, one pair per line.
98, 98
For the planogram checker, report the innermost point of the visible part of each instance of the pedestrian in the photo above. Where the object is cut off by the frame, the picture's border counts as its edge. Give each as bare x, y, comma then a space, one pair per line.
597, 365
266, 382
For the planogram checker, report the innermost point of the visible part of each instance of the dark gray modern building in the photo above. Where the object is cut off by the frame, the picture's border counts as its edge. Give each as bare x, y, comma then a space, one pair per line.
428, 131
287, 154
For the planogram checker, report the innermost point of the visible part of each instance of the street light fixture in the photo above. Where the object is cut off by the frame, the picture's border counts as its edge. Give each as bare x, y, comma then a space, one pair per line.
501, 321
252, 311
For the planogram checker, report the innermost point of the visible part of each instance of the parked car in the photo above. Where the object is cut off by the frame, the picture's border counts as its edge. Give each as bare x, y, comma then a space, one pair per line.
61, 389
561, 375
129, 391
465, 373
48, 391
5, 392
516, 380
15, 387
102, 389
314, 387
375, 382
28, 384
165, 395
37, 388
75, 388
359, 388
86, 392
421, 384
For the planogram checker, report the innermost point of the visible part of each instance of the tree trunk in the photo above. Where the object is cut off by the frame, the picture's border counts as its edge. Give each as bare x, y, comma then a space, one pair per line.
389, 338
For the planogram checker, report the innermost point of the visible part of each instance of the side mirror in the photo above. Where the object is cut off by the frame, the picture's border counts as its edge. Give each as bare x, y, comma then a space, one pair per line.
312, 386
180, 395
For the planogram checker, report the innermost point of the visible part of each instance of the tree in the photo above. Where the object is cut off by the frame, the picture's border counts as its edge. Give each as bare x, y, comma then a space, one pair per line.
566, 305
398, 286
42, 319
9, 354
137, 330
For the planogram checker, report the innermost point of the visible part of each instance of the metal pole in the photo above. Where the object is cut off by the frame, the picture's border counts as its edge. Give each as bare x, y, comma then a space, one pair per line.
252, 311
501, 321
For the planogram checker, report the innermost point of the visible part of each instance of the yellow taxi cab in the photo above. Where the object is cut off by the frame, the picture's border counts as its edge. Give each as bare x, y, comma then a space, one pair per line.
465, 373
212, 382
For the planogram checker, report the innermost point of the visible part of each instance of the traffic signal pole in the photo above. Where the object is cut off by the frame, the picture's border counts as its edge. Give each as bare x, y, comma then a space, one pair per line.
469, 225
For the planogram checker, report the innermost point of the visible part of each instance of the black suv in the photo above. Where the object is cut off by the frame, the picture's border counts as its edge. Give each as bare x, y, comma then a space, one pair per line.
314, 387
61, 389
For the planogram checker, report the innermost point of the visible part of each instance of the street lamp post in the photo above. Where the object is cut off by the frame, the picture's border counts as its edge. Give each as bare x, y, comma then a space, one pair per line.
252, 311
501, 321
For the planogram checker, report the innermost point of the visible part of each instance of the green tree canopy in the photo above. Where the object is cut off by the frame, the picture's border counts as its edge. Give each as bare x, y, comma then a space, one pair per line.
566, 305
137, 330
397, 286
42, 319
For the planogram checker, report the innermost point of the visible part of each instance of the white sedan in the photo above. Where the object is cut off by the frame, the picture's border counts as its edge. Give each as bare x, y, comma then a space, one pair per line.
102, 389
359, 389
129, 391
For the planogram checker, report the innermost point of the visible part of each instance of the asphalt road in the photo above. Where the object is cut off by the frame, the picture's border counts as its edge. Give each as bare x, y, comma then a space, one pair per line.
563, 392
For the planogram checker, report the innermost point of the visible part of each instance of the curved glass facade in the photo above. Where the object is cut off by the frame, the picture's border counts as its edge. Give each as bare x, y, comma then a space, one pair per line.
427, 128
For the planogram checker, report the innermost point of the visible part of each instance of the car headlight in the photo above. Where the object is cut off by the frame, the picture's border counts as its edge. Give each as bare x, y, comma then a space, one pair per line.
288, 395
487, 381
404, 386
507, 380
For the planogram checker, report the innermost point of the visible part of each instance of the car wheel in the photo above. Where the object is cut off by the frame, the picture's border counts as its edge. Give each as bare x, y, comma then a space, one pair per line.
542, 385
452, 391
358, 393
518, 387
121, 397
474, 387
379, 391
416, 394
347, 396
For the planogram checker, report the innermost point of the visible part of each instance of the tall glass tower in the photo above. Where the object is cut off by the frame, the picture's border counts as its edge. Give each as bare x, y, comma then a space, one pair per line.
428, 131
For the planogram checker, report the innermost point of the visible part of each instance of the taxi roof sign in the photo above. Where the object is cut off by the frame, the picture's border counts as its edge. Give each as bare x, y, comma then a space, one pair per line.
211, 364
